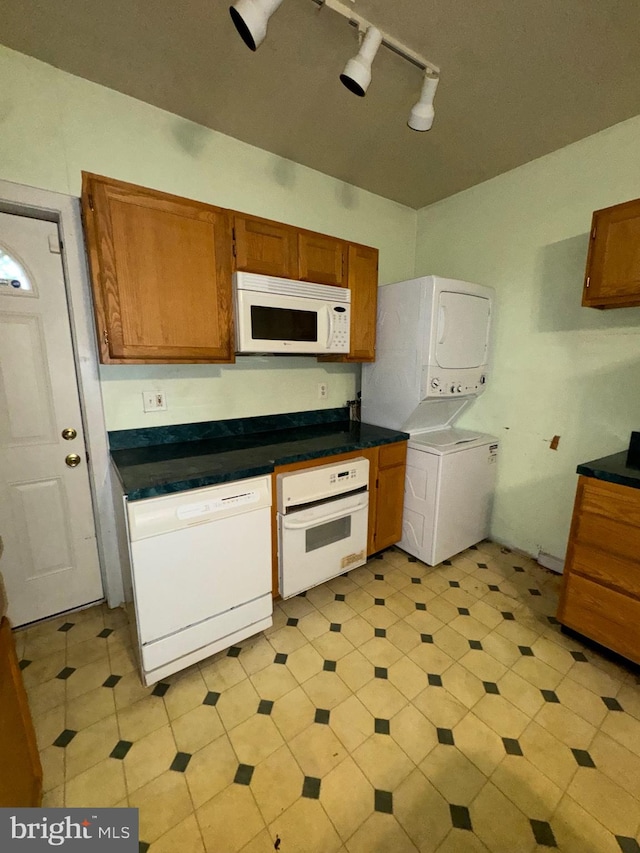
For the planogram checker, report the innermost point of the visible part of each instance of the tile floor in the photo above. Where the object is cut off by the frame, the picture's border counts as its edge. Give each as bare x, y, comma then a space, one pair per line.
398, 708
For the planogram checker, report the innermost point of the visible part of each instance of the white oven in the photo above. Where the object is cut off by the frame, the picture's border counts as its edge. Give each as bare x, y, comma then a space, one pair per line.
322, 523
278, 315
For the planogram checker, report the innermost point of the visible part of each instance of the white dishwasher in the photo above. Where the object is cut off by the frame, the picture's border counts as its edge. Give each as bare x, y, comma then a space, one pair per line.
200, 572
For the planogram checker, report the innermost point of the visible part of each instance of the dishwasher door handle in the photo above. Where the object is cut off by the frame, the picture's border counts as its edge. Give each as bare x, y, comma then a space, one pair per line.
324, 519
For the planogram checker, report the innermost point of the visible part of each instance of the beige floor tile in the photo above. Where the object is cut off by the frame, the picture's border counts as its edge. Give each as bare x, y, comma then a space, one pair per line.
122, 661
566, 725
549, 754
479, 743
503, 717
436, 583
357, 630
605, 800
576, 831
421, 811
88, 677
87, 709
381, 698
141, 718
197, 728
347, 813
440, 707
273, 681
484, 612
326, 689
293, 713
48, 726
238, 703
211, 770
320, 595
44, 668
403, 605
430, 658
162, 804
538, 673
455, 777
40, 645
520, 693
317, 750
463, 685
290, 638
256, 655
629, 698
413, 733
342, 585
595, 679
91, 745
380, 833
332, 645
380, 589
526, 786
380, 651
383, 762
553, 654
338, 611
218, 831
222, 673
500, 824
130, 689
296, 607
351, 722
468, 627
52, 759
85, 629
149, 757
185, 693
255, 739
379, 617
501, 648
516, 632
44, 697
312, 626
53, 799
443, 610
459, 597
262, 843
407, 677
484, 665
460, 840
451, 642
184, 837
624, 728
403, 636
359, 600
617, 762
277, 783
581, 700
101, 786
305, 828
362, 575
355, 670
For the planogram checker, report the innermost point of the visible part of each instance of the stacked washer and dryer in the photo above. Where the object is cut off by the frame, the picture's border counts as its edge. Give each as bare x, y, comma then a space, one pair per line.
431, 364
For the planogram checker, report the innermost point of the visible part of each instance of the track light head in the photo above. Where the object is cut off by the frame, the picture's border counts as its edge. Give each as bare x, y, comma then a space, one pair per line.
251, 18
422, 113
357, 72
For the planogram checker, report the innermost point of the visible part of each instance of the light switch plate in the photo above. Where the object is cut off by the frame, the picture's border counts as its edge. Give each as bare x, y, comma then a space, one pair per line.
154, 401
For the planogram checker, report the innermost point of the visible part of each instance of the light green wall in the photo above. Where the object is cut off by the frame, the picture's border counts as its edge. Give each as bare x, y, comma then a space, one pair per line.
54, 125
558, 368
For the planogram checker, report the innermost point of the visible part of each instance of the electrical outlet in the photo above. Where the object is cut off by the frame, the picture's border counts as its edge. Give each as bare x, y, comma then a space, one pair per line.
154, 401
323, 390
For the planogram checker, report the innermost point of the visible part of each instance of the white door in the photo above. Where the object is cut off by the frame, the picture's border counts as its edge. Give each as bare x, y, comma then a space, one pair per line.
50, 562
463, 330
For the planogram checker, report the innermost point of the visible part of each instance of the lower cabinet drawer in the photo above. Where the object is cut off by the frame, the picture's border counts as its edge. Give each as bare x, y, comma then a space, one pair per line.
608, 617
614, 571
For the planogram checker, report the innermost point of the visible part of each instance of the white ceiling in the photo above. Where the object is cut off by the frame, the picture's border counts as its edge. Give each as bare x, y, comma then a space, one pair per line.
519, 78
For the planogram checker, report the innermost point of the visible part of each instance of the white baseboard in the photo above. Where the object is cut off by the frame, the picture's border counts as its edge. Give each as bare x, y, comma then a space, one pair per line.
555, 564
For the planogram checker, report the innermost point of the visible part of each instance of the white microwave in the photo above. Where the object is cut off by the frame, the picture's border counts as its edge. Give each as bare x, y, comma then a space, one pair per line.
278, 315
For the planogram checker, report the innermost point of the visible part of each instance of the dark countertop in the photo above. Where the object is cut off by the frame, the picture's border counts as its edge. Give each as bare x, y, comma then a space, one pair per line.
613, 469
150, 471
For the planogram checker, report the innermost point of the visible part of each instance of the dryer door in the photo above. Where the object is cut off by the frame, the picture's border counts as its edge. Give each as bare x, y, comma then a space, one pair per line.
462, 333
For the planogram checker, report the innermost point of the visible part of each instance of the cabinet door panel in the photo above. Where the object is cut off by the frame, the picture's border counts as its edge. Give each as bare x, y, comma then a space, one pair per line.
389, 506
613, 264
363, 283
265, 247
161, 268
321, 259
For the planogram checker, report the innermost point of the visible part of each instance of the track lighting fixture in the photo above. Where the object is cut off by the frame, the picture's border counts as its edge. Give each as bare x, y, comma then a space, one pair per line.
251, 18
357, 72
421, 117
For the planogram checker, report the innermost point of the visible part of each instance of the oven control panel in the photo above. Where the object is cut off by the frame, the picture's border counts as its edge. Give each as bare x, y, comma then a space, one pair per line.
321, 481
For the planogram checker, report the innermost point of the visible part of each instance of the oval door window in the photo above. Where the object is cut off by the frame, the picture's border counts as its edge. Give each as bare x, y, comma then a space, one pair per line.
13, 276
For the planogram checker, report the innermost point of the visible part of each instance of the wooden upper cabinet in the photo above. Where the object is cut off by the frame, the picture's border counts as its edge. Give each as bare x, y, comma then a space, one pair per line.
161, 274
265, 247
363, 284
612, 279
321, 259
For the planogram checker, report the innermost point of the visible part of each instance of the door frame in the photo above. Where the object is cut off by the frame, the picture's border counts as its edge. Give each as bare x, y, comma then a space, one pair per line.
64, 210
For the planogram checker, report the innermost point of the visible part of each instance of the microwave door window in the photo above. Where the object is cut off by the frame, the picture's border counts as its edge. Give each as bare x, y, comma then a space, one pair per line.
283, 324
327, 533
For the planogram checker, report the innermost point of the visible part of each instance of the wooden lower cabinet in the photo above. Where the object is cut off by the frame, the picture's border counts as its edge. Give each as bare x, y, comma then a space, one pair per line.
600, 596
20, 769
386, 496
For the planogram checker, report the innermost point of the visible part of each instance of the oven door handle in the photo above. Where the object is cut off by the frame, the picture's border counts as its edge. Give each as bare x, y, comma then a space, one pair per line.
323, 519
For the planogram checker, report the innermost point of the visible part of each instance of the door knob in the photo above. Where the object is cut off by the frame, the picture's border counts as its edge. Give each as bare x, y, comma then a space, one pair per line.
72, 460
69, 433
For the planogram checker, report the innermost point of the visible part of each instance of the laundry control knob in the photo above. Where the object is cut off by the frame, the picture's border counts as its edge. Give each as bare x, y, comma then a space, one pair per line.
453, 389
483, 379
435, 382
459, 389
